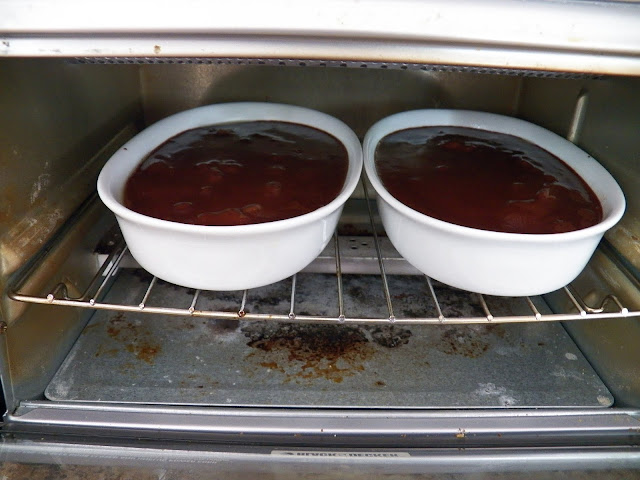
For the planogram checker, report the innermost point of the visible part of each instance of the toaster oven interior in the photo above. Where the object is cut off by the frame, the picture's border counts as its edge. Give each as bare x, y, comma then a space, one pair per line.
88, 334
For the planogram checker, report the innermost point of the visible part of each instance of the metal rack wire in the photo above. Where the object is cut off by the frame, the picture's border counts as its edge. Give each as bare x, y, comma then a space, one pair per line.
610, 306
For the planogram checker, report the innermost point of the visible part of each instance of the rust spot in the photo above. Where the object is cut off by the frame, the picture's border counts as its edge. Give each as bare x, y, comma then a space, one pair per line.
308, 352
115, 325
222, 326
109, 352
157, 49
126, 367
136, 338
389, 336
468, 341
402, 296
144, 352
497, 330
380, 383
456, 344
271, 365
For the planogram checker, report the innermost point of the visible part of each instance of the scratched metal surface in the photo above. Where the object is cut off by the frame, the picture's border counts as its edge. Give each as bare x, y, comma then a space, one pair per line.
142, 358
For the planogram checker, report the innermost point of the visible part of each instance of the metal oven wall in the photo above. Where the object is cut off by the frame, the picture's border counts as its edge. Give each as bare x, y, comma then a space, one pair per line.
62, 120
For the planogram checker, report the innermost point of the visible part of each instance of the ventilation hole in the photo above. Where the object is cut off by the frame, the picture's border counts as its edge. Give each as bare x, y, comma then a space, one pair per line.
404, 67
354, 247
384, 66
364, 244
302, 64
364, 65
343, 64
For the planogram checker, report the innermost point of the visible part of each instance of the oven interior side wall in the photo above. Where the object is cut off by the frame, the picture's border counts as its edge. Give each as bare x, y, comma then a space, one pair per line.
59, 123
609, 131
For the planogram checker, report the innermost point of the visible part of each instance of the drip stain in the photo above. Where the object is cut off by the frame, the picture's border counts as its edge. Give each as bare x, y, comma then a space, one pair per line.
135, 337
309, 352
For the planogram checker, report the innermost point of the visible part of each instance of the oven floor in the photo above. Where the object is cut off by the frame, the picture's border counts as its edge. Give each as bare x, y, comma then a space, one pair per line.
142, 358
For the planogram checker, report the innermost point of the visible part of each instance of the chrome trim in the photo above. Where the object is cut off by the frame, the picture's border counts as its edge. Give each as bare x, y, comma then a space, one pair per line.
585, 36
343, 427
177, 460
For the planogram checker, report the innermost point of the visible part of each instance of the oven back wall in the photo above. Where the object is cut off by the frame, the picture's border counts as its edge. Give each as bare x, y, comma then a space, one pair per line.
357, 96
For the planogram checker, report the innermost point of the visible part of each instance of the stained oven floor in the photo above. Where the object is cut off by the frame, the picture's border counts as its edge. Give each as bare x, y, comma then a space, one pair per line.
142, 358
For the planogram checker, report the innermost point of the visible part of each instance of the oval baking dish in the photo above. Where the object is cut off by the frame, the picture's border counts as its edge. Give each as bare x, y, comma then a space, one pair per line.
490, 262
226, 257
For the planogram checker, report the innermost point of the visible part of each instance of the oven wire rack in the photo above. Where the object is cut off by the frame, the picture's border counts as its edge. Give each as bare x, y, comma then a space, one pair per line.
610, 306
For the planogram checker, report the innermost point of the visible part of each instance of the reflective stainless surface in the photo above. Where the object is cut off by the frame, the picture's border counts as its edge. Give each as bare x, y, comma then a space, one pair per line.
48, 458
337, 428
584, 36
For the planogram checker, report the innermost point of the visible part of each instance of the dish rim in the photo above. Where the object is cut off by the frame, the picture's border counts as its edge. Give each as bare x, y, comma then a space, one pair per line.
544, 138
237, 112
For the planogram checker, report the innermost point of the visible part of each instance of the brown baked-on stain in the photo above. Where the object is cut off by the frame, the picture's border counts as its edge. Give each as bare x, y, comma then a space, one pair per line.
115, 325
272, 366
146, 353
308, 352
221, 326
106, 352
135, 337
470, 342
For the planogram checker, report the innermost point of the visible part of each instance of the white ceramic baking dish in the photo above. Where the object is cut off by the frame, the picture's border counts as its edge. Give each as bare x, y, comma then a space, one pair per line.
494, 263
225, 257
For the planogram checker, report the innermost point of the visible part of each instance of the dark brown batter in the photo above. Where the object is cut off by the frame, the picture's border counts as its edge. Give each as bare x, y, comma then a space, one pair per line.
485, 180
239, 173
